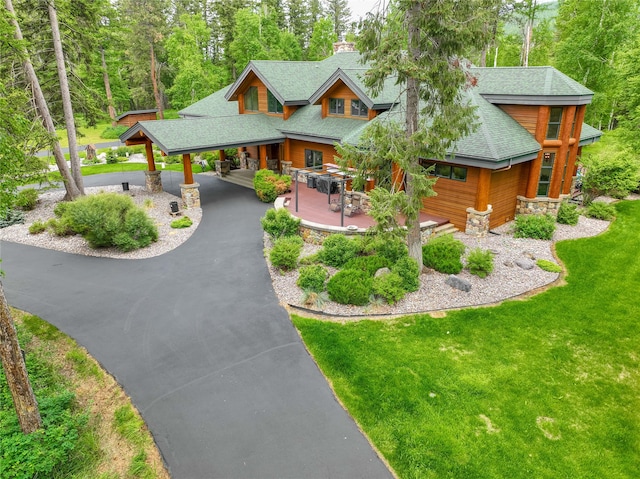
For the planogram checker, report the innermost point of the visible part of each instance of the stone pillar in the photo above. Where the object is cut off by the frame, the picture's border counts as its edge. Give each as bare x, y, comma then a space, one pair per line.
538, 206
190, 195
153, 181
286, 167
478, 222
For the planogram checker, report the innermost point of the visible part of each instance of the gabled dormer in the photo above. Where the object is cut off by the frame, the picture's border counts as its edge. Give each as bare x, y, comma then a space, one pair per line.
344, 95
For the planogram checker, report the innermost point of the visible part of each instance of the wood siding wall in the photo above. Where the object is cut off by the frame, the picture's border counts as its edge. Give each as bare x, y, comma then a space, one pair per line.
340, 90
263, 106
454, 197
297, 152
131, 120
526, 115
505, 187
253, 151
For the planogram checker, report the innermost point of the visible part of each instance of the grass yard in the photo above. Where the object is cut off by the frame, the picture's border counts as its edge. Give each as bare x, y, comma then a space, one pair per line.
543, 388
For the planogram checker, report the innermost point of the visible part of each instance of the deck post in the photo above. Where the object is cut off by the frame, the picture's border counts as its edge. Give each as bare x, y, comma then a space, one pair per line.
534, 170
263, 157
149, 151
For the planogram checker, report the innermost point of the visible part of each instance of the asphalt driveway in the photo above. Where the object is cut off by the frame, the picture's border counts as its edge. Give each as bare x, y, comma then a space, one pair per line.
198, 340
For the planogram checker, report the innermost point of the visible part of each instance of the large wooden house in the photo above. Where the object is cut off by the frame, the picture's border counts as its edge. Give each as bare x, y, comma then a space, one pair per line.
521, 158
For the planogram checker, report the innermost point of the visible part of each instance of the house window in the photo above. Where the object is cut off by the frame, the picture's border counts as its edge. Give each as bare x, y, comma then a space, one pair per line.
555, 118
336, 106
312, 159
251, 99
358, 108
443, 170
545, 173
273, 105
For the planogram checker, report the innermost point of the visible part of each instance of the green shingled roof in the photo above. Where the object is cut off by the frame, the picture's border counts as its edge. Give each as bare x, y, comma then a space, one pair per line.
213, 105
308, 121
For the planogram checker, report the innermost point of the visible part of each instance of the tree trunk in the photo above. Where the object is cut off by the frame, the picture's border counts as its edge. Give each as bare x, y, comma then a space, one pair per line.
414, 241
16, 372
66, 98
43, 109
154, 82
107, 88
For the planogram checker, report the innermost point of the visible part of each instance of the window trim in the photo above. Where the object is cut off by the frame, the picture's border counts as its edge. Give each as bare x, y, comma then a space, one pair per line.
336, 106
279, 109
362, 109
555, 124
248, 95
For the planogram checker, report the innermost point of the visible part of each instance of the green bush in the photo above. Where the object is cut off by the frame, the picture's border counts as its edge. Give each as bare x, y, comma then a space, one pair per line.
37, 227
183, 222
112, 157
27, 199
12, 217
109, 219
269, 185
568, 214
443, 254
285, 252
409, 270
549, 266
389, 286
172, 159
392, 249
480, 262
113, 132
535, 226
312, 278
61, 226
368, 264
601, 211
337, 249
279, 223
612, 175
350, 287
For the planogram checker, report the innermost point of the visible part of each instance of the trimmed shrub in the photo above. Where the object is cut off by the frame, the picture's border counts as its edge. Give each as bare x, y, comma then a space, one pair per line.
389, 286
535, 226
12, 217
109, 219
27, 199
337, 249
183, 222
285, 252
312, 278
549, 266
568, 214
480, 262
60, 226
37, 227
350, 286
368, 264
443, 254
612, 175
113, 132
112, 157
392, 249
269, 185
277, 223
601, 211
407, 268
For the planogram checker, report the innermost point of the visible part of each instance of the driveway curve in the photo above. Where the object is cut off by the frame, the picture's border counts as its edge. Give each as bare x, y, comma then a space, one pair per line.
198, 340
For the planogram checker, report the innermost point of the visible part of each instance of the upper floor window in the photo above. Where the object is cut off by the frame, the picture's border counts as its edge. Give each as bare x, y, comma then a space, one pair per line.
553, 127
545, 173
336, 106
273, 105
251, 99
358, 108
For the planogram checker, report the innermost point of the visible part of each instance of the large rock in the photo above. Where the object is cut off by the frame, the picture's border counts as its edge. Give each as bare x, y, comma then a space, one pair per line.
382, 271
458, 283
525, 263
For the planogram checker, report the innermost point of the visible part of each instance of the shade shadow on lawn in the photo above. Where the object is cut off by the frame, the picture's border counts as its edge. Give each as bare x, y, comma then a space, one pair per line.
547, 387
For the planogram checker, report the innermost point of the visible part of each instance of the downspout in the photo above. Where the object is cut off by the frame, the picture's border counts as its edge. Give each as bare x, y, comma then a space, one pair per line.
506, 168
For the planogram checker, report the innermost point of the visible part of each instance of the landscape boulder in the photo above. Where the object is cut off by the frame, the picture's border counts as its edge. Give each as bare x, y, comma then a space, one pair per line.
525, 263
458, 283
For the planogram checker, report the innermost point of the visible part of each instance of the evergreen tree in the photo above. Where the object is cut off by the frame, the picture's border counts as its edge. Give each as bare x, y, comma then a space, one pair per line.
339, 12
322, 40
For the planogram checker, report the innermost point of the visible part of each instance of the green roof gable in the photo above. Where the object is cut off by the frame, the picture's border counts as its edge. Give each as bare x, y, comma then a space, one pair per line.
212, 105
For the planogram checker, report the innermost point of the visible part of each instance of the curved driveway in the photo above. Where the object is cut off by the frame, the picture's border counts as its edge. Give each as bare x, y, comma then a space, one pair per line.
198, 340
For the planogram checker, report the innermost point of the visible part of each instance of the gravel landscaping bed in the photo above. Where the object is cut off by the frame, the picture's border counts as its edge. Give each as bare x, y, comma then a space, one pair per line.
157, 208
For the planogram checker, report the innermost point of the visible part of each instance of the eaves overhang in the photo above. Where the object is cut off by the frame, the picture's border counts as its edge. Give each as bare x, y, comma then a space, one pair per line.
325, 140
537, 100
492, 163
346, 79
252, 68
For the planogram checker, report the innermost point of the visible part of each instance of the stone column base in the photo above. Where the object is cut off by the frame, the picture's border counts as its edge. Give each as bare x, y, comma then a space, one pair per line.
538, 206
478, 222
190, 195
286, 167
153, 181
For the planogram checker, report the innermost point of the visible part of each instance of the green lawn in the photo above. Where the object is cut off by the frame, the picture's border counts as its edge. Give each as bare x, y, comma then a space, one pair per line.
121, 168
543, 388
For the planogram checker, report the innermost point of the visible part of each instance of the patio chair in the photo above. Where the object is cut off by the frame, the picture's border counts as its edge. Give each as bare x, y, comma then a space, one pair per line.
355, 206
335, 205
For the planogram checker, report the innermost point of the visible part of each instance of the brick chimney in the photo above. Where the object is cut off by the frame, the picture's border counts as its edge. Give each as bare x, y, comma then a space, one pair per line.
341, 47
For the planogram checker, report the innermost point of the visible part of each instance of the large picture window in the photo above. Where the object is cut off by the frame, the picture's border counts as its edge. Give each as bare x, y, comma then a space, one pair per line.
312, 159
251, 99
273, 105
336, 106
358, 108
553, 127
545, 173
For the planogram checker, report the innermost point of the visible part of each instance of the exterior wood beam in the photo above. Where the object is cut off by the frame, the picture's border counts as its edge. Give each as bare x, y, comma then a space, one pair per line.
263, 157
188, 172
287, 150
574, 151
222, 155
397, 177
482, 191
534, 170
568, 115
148, 147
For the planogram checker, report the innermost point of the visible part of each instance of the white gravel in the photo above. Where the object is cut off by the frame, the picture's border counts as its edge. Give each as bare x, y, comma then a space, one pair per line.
155, 205
506, 281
